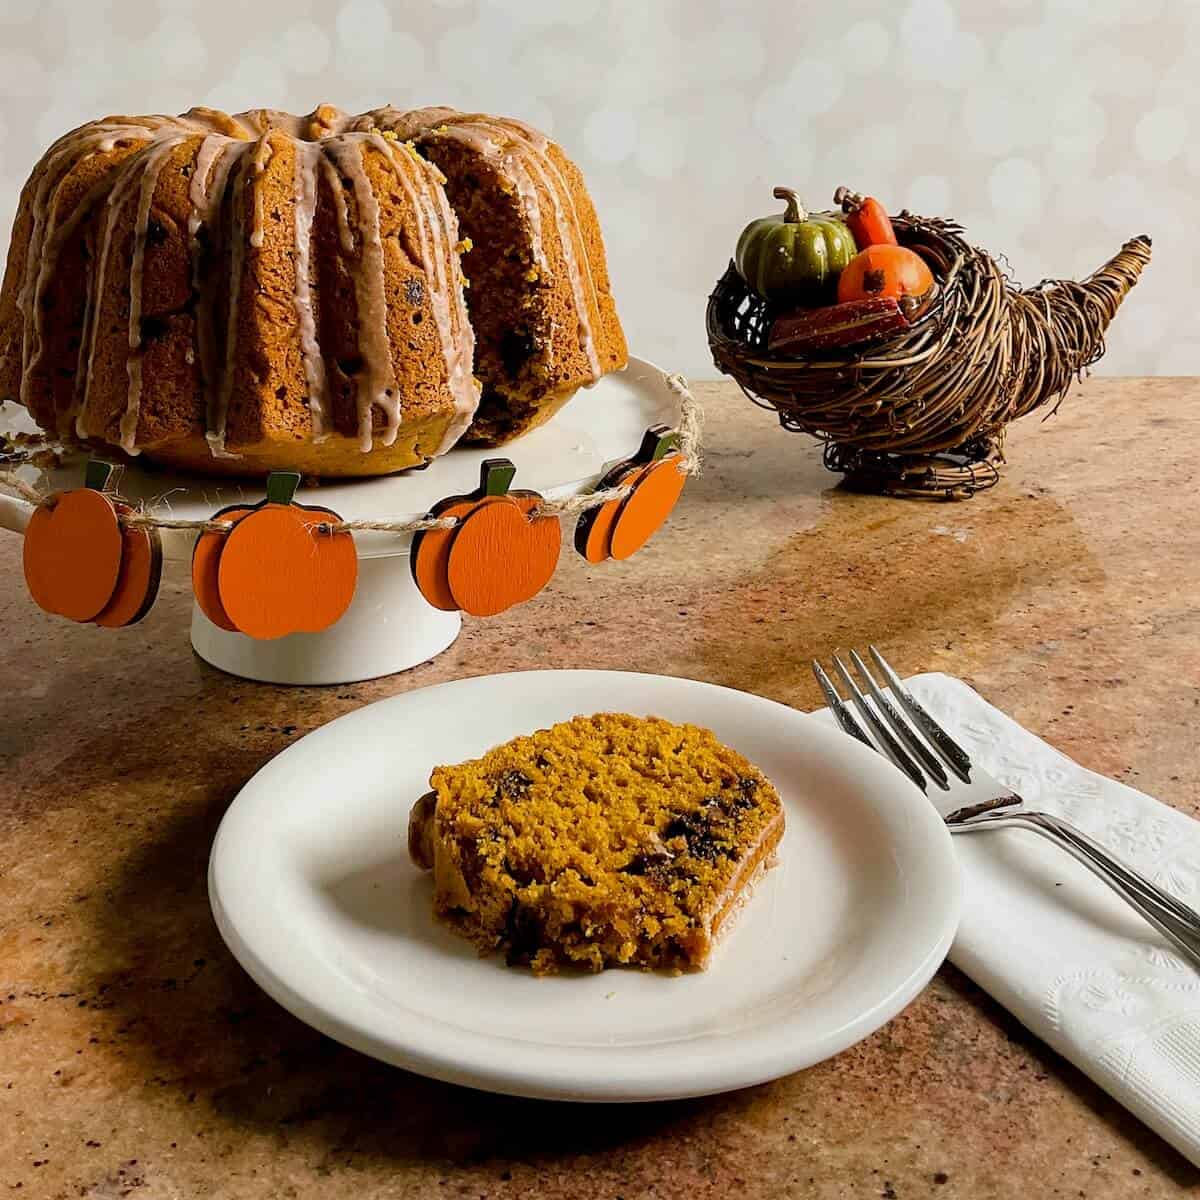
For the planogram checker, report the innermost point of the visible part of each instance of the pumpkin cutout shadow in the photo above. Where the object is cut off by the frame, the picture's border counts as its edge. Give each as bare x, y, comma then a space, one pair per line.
280, 572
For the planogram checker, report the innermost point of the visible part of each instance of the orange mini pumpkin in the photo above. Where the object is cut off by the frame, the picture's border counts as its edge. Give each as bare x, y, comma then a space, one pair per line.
279, 571
619, 528
80, 563
884, 270
432, 549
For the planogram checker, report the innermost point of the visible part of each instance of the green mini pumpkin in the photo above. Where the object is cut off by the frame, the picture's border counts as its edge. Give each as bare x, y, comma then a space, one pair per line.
794, 258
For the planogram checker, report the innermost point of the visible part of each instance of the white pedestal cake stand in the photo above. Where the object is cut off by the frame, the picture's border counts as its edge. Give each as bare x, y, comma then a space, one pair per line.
389, 627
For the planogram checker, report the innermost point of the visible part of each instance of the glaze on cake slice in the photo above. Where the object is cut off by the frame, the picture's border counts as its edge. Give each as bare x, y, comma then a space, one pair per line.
608, 840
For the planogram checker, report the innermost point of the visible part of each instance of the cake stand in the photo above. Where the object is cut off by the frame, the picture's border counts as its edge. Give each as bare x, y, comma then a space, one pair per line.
389, 626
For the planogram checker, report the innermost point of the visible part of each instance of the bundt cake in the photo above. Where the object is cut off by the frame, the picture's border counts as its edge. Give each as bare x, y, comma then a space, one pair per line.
239, 294
604, 841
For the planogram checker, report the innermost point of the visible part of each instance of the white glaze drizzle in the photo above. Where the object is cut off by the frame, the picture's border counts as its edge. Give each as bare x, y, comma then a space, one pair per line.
305, 183
325, 134
521, 155
42, 252
256, 154
123, 184
215, 158
155, 160
428, 201
557, 187
375, 380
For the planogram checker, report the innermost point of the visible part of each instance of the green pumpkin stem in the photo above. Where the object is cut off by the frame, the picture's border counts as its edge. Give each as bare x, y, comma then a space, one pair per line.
281, 486
795, 212
496, 476
96, 474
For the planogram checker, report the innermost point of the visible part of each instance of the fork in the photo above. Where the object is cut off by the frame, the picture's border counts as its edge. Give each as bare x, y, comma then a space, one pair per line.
968, 799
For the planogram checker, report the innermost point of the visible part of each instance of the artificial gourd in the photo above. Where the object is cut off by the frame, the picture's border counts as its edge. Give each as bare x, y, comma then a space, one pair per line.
880, 271
794, 258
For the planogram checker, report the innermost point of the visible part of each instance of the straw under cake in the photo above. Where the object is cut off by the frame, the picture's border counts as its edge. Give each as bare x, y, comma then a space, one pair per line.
603, 841
238, 294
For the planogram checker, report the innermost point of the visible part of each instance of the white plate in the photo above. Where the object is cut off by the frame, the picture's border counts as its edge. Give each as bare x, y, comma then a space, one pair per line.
313, 891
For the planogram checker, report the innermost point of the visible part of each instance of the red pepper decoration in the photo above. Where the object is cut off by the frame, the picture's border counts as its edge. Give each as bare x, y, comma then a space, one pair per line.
867, 218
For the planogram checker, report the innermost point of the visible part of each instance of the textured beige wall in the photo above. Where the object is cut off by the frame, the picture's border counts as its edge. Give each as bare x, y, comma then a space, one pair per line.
1052, 129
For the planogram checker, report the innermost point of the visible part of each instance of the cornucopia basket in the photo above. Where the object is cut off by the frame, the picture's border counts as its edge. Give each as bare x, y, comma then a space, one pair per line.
922, 412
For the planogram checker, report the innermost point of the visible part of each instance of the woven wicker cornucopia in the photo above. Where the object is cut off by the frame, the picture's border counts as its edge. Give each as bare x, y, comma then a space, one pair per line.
923, 411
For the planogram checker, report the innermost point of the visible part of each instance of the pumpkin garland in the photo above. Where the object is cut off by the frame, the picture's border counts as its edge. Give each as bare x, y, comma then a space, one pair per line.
80, 562
278, 567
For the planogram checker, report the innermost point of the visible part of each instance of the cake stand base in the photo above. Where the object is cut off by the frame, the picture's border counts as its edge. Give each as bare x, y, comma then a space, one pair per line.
387, 628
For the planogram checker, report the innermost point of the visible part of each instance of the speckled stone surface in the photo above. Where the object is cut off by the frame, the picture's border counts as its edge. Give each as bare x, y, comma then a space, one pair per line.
136, 1059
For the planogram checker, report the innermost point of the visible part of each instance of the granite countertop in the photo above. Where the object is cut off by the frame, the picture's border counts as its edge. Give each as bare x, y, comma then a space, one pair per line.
136, 1058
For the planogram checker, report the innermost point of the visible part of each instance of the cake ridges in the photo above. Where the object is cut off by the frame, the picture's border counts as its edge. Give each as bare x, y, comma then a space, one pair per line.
226, 226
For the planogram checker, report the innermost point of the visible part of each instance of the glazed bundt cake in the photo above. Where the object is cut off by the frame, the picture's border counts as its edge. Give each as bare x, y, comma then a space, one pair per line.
608, 840
240, 294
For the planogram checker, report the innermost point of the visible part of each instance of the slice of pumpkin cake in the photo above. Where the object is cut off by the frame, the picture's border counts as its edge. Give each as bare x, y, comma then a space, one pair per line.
606, 840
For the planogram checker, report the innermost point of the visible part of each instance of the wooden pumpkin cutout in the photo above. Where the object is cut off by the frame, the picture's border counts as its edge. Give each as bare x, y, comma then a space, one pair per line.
279, 572
206, 557
137, 582
73, 549
655, 493
501, 556
430, 554
596, 528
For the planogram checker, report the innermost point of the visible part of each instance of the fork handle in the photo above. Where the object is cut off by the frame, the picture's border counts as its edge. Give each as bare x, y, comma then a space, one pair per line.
1172, 918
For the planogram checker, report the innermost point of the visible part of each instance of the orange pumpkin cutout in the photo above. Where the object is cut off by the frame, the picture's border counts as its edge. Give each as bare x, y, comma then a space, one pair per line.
431, 549
137, 582
430, 554
884, 270
655, 493
594, 532
206, 557
73, 548
279, 573
501, 556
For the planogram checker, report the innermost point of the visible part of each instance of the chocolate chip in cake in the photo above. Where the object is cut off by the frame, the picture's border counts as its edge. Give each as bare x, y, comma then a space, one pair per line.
414, 291
516, 349
522, 935
156, 233
513, 784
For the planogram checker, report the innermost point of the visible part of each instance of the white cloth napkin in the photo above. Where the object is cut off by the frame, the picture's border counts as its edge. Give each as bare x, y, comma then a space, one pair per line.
1052, 944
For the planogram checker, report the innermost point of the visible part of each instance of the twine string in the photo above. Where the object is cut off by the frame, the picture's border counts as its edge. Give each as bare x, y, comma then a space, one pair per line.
690, 430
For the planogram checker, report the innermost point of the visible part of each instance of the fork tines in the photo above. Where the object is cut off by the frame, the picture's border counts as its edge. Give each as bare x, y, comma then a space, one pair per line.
907, 741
